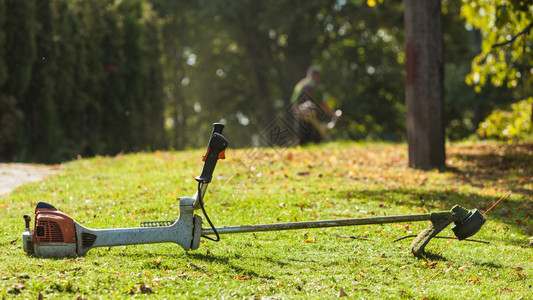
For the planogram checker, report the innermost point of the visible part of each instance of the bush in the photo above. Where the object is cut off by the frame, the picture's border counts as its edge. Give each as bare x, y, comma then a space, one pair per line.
509, 125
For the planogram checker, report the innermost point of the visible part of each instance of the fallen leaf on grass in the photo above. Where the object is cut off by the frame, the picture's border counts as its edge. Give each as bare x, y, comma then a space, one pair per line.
17, 288
517, 268
193, 266
157, 261
145, 289
342, 293
503, 289
473, 280
433, 264
238, 277
463, 268
132, 291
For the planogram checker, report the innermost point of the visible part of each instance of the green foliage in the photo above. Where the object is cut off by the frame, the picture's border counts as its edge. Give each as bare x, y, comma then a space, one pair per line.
102, 77
465, 109
239, 61
362, 56
83, 78
509, 125
17, 52
3, 65
506, 49
235, 61
19, 45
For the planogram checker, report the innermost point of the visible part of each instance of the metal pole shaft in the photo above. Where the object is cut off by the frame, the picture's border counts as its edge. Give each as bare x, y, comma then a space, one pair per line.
317, 224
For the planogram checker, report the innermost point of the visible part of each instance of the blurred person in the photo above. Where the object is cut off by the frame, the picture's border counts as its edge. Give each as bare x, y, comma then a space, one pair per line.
308, 104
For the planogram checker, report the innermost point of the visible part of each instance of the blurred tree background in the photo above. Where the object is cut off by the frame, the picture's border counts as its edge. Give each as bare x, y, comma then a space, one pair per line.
79, 78
82, 78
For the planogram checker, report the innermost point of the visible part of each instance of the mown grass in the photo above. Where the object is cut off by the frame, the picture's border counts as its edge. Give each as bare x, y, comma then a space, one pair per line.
336, 180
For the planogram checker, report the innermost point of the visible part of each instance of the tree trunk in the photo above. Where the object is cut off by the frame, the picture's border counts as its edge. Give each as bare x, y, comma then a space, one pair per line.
424, 84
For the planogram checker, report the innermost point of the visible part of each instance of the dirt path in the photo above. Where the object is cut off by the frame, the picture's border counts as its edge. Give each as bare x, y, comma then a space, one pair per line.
13, 175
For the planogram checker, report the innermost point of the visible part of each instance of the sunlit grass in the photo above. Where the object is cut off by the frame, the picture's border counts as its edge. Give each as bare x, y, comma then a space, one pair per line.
331, 181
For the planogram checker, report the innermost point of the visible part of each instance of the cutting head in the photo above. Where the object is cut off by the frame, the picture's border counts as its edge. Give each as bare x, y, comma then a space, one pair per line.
470, 225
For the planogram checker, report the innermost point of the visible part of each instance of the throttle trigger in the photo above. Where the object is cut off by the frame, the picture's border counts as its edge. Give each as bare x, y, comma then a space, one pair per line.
222, 154
206, 153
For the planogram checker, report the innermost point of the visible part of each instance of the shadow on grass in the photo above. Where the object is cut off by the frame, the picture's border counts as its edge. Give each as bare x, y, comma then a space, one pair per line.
238, 269
435, 257
489, 164
489, 265
505, 166
148, 262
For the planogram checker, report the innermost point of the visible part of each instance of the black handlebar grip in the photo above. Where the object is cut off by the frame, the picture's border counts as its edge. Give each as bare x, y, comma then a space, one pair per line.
217, 144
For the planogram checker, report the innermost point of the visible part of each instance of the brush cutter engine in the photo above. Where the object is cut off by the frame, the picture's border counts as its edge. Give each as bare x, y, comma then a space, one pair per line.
54, 234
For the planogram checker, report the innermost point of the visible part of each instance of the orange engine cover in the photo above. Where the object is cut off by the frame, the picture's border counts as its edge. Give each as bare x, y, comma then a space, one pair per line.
52, 226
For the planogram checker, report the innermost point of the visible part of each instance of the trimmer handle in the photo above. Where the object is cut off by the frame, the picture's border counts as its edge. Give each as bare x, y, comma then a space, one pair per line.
217, 128
215, 150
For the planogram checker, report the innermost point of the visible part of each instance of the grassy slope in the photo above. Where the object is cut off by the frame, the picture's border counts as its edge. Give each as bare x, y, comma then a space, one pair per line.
265, 186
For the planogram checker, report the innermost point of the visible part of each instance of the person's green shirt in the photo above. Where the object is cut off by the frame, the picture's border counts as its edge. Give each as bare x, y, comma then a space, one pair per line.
316, 91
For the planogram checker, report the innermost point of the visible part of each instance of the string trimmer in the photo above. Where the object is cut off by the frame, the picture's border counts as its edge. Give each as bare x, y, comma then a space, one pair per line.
55, 234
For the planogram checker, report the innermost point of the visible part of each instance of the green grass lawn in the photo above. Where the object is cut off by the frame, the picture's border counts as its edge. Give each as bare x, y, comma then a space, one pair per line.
330, 181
